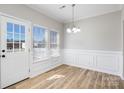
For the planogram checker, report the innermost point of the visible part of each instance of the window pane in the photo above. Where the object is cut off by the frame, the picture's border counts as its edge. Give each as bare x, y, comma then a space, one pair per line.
22, 29
53, 45
43, 45
9, 46
22, 46
16, 28
16, 37
16, 33
16, 46
42, 33
9, 27
22, 38
53, 37
9, 37
35, 45
39, 43
38, 36
35, 35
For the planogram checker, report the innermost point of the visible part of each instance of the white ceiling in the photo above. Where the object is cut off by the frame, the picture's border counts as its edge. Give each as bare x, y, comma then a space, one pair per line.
81, 10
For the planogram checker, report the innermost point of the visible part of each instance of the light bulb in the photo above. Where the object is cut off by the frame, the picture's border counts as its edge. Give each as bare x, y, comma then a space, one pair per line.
74, 29
69, 30
78, 30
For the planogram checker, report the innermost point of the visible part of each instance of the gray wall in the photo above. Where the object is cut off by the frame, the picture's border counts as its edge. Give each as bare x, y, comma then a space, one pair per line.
26, 13
97, 33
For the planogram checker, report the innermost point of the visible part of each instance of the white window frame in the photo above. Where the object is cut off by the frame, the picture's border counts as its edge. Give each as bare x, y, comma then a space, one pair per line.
54, 52
49, 52
38, 59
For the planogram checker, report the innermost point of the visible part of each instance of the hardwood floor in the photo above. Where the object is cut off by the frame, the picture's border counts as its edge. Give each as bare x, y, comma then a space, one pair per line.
69, 77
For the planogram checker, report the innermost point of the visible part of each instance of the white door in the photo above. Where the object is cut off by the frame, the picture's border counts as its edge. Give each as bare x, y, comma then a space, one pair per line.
14, 50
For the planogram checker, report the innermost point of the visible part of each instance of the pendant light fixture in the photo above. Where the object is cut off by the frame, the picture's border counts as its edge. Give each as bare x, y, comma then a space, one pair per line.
73, 28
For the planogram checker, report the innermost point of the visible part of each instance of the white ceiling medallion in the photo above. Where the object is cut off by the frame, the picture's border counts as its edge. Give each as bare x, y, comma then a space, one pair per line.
72, 28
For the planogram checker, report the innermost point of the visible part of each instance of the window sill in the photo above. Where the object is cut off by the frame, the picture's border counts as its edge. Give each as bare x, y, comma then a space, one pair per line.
45, 58
55, 55
40, 60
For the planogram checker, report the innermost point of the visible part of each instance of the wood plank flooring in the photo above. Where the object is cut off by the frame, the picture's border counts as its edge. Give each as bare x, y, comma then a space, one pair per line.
69, 77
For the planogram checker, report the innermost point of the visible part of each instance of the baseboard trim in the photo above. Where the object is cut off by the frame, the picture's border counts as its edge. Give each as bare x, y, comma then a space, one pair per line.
93, 69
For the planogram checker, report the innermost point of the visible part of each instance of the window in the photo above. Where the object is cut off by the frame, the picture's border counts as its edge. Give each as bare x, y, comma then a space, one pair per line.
15, 37
45, 43
53, 40
39, 43
54, 43
9, 37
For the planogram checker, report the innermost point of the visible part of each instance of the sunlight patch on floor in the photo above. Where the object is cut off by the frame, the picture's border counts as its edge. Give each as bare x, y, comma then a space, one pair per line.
55, 77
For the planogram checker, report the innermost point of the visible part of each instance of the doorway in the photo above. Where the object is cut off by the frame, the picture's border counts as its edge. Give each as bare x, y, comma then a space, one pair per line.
14, 37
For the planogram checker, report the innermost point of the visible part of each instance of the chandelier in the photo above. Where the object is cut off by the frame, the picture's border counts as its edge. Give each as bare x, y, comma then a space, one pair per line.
72, 28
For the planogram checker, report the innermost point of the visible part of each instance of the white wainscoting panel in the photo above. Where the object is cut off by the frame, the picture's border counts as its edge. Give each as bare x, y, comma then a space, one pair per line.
104, 61
45, 65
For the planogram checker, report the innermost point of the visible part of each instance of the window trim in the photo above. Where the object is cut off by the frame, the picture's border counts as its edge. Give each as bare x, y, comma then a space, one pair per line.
47, 43
14, 34
58, 44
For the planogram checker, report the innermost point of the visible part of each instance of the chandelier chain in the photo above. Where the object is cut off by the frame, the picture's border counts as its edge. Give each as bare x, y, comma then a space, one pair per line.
73, 6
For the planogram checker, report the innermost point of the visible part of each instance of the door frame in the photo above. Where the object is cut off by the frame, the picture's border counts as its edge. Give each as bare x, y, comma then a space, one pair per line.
30, 56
